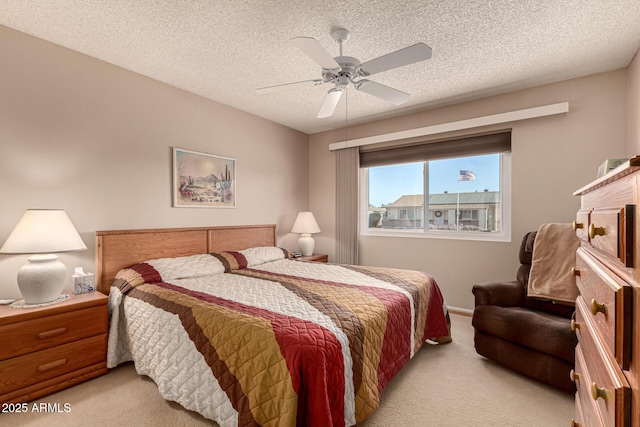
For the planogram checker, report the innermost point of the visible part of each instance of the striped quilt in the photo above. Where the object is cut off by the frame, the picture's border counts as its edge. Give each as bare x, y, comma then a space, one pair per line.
252, 338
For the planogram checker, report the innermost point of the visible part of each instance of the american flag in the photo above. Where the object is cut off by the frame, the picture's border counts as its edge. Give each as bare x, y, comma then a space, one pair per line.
466, 176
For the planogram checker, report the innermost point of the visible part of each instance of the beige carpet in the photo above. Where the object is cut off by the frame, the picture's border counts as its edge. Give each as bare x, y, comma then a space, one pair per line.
448, 385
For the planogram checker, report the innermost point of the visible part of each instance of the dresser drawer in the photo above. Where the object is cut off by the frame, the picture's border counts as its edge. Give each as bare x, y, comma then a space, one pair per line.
609, 304
578, 419
50, 331
611, 231
606, 383
23, 371
586, 413
581, 225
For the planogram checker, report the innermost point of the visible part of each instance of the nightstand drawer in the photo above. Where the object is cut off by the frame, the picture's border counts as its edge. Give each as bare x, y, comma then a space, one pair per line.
45, 332
20, 372
608, 299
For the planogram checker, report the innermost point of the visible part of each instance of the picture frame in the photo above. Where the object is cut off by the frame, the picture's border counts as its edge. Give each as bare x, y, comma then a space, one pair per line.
203, 180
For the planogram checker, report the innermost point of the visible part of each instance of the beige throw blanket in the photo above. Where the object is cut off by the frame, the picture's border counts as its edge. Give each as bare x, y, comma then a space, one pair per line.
554, 253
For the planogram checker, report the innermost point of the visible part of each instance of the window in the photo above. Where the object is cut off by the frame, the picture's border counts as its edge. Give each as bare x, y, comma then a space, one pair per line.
449, 196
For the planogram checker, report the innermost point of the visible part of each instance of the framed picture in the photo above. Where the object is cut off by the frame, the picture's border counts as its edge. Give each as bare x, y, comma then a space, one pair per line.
203, 180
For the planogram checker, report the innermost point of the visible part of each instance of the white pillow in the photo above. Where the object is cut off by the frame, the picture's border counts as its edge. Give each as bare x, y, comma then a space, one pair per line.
187, 266
263, 254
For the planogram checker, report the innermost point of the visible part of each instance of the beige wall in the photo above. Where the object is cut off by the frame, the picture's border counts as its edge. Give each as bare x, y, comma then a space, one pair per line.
93, 139
551, 158
633, 106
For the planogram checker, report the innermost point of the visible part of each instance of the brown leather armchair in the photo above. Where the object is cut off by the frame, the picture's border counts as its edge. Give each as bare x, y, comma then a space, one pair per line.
530, 336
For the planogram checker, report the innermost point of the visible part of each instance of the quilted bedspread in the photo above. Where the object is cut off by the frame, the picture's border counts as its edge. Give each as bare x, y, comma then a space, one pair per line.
253, 338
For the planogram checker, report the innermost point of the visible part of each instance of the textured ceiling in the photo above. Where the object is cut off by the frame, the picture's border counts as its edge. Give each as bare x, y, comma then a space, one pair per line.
225, 49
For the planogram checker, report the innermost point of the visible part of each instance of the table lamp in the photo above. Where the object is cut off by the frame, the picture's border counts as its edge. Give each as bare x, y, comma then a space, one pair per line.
42, 232
306, 225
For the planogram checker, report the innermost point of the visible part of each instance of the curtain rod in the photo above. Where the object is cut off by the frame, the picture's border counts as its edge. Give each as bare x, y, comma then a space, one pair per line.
511, 116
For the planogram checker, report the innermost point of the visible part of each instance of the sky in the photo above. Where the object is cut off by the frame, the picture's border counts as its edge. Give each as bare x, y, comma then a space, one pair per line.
388, 183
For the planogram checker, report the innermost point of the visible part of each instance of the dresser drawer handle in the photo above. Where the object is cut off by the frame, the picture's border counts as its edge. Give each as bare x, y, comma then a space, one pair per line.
574, 376
598, 308
596, 231
597, 392
574, 325
52, 333
52, 365
577, 225
575, 272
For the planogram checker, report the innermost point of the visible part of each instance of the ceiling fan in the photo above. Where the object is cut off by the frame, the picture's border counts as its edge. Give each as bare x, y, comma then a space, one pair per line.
345, 70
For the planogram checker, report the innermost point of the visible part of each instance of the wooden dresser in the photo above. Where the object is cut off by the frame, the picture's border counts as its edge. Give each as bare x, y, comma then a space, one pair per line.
46, 349
607, 319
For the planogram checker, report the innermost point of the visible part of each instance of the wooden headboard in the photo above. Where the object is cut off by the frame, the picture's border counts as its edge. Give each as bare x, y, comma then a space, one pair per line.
117, 249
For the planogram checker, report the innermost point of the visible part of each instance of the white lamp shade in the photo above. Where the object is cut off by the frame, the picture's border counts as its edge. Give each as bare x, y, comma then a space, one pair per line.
43, 231
305, 224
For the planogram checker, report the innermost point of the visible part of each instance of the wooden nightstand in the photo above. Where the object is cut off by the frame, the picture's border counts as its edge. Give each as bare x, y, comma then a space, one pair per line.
315, 258
49, 348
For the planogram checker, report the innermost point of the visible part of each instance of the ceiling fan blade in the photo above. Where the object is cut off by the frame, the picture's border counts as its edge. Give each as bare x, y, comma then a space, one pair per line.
381, 91
330, 102
409, 55
315, 51
277, 88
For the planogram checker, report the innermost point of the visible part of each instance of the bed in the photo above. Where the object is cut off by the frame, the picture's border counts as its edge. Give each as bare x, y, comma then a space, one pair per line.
230, 326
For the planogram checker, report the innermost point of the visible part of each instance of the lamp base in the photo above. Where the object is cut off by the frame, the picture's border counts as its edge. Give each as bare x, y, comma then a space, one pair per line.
306, 243
41, 280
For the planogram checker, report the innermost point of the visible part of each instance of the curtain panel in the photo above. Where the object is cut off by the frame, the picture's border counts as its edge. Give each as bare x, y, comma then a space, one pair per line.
347, 170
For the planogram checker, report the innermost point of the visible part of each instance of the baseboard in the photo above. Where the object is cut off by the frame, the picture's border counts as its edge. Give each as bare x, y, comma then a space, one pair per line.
461, 311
